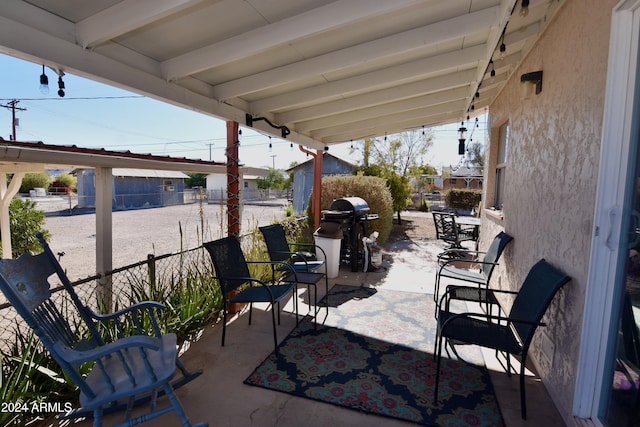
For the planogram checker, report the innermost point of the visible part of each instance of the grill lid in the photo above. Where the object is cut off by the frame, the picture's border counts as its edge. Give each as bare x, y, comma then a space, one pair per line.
354, 205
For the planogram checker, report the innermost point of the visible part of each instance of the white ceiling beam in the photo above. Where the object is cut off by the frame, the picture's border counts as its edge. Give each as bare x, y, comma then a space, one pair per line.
419, 38
125, 16
31, 44
411, 90
389, 119
35, 17
316, 21
438, 63
391, 128
410, 104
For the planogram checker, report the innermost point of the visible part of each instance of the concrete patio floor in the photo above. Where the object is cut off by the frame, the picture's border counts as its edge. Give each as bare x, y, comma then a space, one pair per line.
220, 398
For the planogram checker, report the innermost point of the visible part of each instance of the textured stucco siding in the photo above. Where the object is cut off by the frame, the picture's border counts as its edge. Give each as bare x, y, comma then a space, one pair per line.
551, 175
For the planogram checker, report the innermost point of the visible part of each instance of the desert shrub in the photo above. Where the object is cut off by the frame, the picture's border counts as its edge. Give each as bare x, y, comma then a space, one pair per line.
459, 198
25, 221
66, 182
372, 189
34, 180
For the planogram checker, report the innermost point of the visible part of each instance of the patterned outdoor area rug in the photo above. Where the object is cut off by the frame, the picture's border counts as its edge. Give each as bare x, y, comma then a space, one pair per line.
373, 354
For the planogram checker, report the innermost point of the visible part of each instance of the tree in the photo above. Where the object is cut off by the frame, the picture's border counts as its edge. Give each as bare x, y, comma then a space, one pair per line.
197, 179
396, 158
275, 180
475, 154
400, 192
399, 153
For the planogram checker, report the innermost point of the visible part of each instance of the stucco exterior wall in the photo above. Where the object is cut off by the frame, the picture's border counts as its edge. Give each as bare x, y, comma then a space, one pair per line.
553, 152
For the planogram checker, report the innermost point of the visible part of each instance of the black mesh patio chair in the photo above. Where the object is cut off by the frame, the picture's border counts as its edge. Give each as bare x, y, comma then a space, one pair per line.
448, 231
477, 267
126, 370
237, 285
510, 334
303, 262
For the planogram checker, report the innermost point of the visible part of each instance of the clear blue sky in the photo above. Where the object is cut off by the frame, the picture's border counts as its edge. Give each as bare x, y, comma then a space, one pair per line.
100, 116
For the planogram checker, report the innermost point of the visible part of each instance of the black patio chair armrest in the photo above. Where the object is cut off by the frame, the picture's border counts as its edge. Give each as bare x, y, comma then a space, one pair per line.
251, 280
309, 245
444, 255
486, 316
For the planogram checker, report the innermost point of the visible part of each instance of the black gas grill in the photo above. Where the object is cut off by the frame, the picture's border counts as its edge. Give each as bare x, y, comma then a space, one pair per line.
352, 213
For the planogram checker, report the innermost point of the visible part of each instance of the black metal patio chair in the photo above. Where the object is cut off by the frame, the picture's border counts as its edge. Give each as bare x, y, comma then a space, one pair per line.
127, 370
510, 334
471, 268
238, 286
448, 231
305, 268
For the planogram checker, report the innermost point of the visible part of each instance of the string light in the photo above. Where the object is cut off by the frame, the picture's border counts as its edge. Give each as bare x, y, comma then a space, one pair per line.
44, 82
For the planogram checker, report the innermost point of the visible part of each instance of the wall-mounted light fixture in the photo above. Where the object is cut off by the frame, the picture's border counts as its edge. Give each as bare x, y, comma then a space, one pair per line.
462, 137
249, 120
529, 83
44, 82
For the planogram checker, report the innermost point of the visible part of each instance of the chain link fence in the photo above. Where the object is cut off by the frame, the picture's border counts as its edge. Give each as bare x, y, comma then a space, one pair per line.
152, 279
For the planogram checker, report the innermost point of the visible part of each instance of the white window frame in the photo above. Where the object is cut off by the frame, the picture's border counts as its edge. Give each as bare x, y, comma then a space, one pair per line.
501, 164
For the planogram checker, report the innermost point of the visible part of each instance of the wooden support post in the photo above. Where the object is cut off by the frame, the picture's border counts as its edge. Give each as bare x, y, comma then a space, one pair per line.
233, 180
104, 238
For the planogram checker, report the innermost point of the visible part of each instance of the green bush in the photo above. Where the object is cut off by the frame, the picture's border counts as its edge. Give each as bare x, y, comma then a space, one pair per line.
372, 189
25, 221
34, 180
66, 182
459, 198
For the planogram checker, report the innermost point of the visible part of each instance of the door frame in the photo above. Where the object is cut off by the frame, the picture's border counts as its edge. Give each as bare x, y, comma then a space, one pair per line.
608, 221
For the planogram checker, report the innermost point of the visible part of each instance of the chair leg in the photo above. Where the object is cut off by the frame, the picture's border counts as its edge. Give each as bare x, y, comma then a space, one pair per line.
224, 322
97, 417
523, 400
177, 406
275, 330
437, 352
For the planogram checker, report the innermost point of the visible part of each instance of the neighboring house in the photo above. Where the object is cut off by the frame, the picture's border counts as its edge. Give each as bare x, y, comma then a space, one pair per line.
134, 188
303, 178
217, 184
466, 177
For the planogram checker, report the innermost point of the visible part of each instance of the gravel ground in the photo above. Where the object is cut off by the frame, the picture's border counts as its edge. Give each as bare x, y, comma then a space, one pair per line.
137, 233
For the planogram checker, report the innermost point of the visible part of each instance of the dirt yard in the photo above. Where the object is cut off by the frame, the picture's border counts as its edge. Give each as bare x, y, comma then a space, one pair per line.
158, 231
137, 233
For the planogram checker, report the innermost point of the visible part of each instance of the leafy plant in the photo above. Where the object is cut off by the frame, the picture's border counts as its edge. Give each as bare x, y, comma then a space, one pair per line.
373, 190
459, 198
29, 374
25, 221
34, 180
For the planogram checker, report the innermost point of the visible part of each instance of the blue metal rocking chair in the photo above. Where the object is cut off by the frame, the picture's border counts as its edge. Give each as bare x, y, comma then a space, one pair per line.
125, 373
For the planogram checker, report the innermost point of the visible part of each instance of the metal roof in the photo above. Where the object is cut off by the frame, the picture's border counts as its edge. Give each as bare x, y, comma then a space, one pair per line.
331, 71
148, 173
14, 155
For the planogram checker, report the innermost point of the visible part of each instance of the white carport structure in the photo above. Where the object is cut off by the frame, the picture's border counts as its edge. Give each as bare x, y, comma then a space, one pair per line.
18, 158
322, 72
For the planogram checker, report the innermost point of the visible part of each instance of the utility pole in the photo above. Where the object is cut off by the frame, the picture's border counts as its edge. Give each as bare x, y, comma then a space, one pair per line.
12, 105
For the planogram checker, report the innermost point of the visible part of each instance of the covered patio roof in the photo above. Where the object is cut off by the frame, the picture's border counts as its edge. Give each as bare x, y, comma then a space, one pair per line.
321, 72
